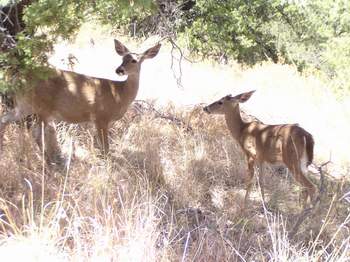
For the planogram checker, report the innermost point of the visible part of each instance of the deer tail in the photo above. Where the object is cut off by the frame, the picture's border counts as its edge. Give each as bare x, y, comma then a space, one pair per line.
309, 146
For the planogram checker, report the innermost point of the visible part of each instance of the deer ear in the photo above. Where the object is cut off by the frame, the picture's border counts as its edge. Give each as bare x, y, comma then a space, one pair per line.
244, 96
228, 97
152, 52
120, 48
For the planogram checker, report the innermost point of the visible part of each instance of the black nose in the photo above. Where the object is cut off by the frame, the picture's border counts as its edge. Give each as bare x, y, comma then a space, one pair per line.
206, 109
120, 71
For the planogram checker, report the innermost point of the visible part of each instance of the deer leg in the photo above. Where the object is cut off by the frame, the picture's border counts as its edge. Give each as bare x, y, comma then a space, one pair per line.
303, 196
102, 133
48, 142
250, 178
261, 181
52, 149
11, 116
308, 188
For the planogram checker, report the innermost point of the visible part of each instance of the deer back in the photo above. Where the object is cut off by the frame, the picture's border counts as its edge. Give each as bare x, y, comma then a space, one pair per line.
76, 98
274, 143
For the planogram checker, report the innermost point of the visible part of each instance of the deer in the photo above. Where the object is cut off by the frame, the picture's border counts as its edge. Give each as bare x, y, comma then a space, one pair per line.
76, 98
287, 144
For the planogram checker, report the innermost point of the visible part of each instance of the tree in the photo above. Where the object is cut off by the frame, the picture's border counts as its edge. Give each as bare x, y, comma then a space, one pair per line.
306, 33
29, 28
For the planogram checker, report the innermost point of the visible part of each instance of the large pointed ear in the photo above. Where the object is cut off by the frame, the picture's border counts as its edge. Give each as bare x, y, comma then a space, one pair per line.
244, 96
152, 52
228, 97
120, 48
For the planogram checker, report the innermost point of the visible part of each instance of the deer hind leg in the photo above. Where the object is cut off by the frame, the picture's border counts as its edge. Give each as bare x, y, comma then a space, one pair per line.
308, 190
48, 142
309, 187
296, 159
250, 178
102, 134
16, 114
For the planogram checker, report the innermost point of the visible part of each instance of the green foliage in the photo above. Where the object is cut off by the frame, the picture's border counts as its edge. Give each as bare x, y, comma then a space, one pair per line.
6, 2
337, 63
310, 34
56, 17
318, 38
123, 12
47, 21
234, 28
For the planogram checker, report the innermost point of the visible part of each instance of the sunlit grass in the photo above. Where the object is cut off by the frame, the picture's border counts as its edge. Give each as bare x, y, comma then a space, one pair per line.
176, 195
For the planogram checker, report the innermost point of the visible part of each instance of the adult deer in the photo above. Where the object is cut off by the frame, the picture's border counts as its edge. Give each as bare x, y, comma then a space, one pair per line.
288, 144
75, 98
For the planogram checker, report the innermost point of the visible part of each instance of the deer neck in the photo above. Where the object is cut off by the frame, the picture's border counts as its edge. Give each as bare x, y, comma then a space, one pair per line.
130, 88
234, 122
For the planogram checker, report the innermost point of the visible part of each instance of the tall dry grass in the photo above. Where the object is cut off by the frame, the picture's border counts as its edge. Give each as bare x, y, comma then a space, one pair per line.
165, 193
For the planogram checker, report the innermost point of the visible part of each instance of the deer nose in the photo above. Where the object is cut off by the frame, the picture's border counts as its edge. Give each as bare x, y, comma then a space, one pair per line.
120, 71
206, 109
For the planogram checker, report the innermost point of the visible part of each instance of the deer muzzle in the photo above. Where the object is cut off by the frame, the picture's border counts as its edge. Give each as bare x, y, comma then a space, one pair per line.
120, 71
206, 109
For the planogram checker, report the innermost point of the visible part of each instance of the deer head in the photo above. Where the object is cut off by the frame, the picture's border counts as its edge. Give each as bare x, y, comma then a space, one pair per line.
131, 63
228, 102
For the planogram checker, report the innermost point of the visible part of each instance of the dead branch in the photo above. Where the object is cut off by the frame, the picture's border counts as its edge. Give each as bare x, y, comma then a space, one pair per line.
169, 14
322, 176
141, 106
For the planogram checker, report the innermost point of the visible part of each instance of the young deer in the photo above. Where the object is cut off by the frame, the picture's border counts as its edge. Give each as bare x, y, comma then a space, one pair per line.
287, 144
75, 98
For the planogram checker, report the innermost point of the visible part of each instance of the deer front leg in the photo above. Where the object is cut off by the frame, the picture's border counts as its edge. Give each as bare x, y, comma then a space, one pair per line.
48, 142
4, 121
102, 134
261, 181
249, 181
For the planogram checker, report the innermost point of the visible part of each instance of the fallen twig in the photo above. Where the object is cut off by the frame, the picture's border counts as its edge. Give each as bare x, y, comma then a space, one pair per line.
139, 106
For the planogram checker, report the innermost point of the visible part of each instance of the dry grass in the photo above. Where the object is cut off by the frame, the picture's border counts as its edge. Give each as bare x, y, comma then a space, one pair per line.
163, 194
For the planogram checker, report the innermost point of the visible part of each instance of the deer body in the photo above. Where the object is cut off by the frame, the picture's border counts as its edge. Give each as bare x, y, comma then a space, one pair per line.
75, 98
288, 144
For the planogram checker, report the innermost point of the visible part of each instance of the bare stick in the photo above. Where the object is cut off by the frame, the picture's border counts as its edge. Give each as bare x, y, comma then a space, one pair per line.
139, 105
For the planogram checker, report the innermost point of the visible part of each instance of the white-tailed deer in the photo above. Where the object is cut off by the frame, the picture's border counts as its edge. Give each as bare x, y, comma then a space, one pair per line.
288, 144
75, 98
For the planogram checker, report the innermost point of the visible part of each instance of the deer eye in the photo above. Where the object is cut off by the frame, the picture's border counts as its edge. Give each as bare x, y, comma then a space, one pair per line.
220, 102
133, 61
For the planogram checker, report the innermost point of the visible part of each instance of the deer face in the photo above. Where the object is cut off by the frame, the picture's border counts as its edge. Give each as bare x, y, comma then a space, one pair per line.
226, 103
218, 107
131, 63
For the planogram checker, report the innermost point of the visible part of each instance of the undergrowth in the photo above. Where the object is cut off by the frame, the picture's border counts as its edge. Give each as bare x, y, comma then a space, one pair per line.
168, 191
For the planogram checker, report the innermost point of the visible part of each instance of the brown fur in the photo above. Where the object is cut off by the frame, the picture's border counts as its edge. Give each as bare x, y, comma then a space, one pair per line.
309, 147
261, 143
75, 98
